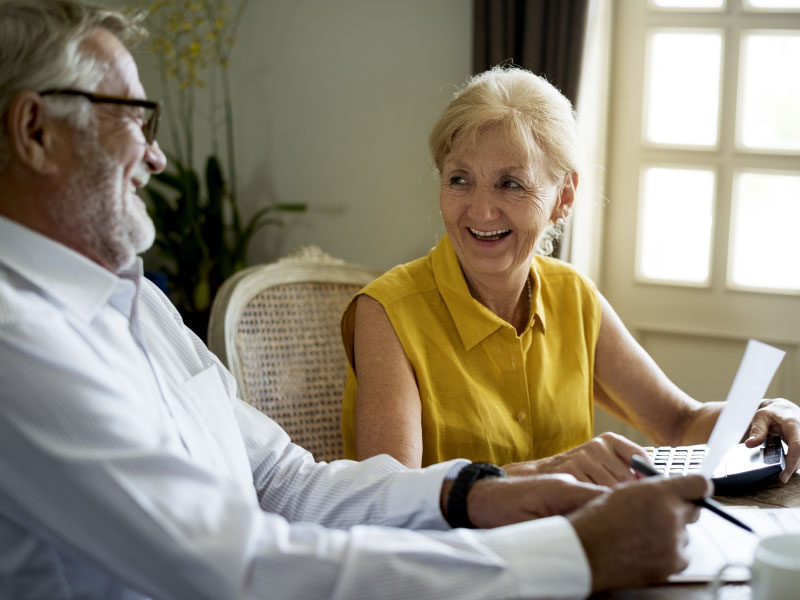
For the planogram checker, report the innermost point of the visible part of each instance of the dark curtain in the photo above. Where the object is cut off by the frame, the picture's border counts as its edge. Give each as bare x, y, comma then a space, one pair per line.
543, 36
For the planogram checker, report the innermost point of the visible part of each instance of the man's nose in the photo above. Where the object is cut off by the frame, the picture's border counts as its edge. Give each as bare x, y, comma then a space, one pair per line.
154, 158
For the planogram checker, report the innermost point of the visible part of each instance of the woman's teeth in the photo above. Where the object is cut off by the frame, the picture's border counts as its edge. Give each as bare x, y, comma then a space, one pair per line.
489, 236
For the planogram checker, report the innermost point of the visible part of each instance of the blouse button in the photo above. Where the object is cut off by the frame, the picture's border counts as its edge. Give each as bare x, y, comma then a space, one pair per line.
521, 417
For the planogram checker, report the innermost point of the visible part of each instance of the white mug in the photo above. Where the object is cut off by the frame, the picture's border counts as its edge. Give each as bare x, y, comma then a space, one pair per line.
775, 572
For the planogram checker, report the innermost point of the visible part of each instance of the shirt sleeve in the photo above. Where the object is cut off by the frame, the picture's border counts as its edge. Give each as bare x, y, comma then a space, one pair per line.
85, 467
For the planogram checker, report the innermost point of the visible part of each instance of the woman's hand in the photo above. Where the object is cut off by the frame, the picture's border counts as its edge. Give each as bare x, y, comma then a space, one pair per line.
783, 417
603, 460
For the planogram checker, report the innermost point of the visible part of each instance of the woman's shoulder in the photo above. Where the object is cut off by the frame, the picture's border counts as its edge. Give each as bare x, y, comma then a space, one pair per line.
403, 291
556, 273
547, 265
402, 281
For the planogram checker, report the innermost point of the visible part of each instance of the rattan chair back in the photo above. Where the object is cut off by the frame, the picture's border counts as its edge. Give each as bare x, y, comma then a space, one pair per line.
277, 328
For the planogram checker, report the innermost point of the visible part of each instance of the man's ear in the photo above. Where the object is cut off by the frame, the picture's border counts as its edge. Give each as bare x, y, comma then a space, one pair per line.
31, 133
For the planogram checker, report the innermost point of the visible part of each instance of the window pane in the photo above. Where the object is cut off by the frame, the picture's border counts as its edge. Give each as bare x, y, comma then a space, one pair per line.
765, 246
683, 90
770, 96
676, 218
772, 4
688, 4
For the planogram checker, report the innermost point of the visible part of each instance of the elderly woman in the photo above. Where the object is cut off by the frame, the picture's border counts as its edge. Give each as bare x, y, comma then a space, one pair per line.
487, 350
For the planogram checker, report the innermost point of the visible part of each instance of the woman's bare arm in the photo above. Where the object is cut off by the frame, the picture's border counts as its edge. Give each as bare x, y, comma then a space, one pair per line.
388, 410
634, 388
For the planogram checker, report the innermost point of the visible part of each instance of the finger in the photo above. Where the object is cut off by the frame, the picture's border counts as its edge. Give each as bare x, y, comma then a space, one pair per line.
759, 428
622, 446
603, 468
683, 538
693, 514
625, 449
787, 417
688, 487
683, 559
607, 458
611, 469
793, 453
619, 471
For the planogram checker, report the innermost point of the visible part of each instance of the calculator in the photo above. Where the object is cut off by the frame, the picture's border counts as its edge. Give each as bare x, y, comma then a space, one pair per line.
741, 469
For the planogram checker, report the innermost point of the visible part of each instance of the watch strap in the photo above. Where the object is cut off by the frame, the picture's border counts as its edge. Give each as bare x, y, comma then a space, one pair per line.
457, 515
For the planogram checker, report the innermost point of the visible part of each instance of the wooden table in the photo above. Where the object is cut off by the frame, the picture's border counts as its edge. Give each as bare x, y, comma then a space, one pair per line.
771, 496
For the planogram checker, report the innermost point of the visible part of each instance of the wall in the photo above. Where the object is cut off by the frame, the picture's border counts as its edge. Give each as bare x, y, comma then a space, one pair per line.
334, 100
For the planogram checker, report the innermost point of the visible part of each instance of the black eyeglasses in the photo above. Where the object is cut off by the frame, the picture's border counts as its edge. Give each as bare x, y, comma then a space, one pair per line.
153, 108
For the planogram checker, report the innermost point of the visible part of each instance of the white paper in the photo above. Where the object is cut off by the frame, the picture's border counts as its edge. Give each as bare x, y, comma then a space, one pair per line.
758, 366
714, 542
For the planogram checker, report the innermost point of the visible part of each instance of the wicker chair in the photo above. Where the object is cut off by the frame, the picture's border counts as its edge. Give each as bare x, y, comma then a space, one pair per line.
277, 329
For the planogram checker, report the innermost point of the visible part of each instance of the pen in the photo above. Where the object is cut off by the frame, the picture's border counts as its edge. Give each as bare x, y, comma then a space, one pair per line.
641, 465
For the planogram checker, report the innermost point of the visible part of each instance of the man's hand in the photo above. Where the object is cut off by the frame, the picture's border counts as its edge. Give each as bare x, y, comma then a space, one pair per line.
783, 417
604, 460
494, 502
636, 534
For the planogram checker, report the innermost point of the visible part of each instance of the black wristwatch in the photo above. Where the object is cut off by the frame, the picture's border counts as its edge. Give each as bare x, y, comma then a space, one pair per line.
457, 500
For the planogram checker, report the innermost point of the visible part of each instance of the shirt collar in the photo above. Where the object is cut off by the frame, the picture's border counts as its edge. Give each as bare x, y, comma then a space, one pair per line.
472, 319
78, 283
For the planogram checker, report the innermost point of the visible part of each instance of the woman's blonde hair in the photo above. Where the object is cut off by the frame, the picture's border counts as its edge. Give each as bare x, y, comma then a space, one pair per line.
534, 115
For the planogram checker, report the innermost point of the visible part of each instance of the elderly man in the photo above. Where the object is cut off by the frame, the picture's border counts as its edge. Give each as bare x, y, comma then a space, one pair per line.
128, 467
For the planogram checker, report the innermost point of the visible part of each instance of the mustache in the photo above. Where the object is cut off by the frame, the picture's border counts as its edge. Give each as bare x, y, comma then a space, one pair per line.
142, 175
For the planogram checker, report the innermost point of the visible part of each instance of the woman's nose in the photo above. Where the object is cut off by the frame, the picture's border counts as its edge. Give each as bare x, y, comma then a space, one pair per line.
483, 206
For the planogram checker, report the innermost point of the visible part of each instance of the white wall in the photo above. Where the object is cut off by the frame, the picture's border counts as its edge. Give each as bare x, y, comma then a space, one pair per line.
334, 101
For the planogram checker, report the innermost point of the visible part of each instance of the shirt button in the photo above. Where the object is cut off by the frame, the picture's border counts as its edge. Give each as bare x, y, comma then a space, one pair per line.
513, 362
521, 417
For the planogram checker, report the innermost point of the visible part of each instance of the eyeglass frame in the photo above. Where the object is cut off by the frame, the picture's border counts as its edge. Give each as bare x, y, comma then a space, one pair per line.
149, 127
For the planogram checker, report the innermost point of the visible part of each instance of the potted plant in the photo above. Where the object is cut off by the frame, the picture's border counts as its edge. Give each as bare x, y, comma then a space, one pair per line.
201, 237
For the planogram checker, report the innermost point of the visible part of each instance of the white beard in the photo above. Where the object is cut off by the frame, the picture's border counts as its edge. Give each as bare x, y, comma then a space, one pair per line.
101, 211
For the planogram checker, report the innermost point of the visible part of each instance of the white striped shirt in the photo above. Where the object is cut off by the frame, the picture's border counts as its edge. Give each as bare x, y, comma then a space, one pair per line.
129, 469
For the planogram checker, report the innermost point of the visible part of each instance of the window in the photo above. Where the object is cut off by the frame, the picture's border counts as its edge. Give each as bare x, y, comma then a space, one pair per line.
720, 145
682, 95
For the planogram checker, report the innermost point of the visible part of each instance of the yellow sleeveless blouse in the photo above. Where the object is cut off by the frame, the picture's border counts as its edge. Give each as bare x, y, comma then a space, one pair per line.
487, 393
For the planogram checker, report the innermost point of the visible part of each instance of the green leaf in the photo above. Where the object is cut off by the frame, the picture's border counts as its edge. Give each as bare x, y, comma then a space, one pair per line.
214, 223
200, 240
169, 179
297, 207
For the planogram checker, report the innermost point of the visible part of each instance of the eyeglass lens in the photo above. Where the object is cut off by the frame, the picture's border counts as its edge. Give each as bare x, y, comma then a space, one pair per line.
150, 126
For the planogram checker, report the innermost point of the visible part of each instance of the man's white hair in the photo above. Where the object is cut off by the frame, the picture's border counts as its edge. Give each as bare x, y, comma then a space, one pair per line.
40, 48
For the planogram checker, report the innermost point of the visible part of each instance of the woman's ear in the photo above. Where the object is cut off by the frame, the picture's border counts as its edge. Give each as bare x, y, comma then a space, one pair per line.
30, 133
566, 195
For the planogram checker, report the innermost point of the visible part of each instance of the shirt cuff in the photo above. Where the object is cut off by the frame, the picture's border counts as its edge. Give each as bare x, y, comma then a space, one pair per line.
417, 494
545, 556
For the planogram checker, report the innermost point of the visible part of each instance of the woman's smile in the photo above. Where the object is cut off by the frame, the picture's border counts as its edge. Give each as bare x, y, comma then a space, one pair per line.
495, 203
489, 236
